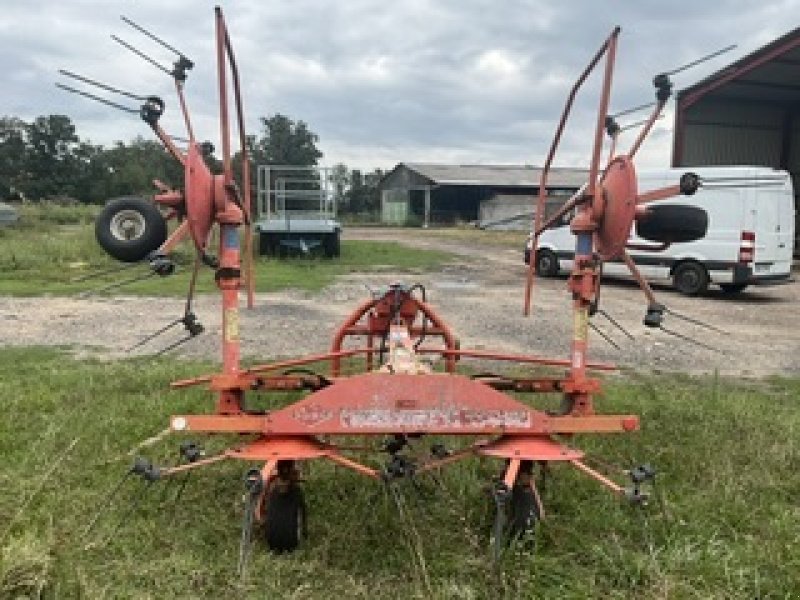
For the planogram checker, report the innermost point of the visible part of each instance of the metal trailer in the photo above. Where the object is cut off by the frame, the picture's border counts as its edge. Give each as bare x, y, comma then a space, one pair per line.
297, 211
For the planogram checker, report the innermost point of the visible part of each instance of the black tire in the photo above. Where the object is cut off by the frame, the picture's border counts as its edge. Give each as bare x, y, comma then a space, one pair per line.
129, 228
732, 288
690, 278
523, 511
672, 224
546, 263
285, 517
332, 245
267, 244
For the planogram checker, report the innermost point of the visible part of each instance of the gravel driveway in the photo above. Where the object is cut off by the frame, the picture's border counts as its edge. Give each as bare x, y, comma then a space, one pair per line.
479, 294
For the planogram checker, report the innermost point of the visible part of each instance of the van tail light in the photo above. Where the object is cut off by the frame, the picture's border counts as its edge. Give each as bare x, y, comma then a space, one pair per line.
747, 247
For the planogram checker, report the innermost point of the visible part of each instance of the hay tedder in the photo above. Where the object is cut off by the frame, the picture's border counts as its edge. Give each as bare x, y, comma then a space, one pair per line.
397, 338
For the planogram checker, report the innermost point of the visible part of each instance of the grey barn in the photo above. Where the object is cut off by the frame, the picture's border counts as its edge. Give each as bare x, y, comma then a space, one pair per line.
492, 196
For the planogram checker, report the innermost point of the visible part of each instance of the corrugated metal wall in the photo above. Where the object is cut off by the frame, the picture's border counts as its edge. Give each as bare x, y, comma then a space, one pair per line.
722, 133
718, 132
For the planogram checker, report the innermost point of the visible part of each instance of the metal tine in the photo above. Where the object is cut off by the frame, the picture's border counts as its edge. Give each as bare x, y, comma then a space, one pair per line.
688, 339
153, 37
616, 324
173, 345
694, 63
628, 111
637, 123
755, 184
101, 85
106, 503
141, 54
694, 321
137, 500
154, 335
111, 271
604, 335
743, 178
114, 285
97, 98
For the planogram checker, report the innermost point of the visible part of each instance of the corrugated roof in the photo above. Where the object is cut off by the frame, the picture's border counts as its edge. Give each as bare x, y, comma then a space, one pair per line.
769, 73
497, 175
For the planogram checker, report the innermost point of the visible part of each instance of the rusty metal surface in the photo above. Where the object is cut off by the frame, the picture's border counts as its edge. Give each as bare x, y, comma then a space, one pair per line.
542, 448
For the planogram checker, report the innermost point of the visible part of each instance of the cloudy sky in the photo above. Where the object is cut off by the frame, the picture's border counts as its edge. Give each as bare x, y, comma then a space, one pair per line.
467, 81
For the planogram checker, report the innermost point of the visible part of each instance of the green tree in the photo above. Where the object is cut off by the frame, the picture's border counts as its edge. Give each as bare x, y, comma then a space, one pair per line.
364, 193
285, 142
339, 177
13, 150
50, 164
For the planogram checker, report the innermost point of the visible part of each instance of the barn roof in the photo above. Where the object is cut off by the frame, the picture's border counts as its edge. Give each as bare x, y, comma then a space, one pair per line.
769, 74
492, 175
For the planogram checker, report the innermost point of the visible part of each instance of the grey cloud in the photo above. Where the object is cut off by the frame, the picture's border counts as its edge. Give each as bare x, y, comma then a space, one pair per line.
470, 80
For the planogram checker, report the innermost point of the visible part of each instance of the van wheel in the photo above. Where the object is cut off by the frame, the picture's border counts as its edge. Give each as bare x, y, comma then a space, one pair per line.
546, 263
732, 288
671, 224
690, 278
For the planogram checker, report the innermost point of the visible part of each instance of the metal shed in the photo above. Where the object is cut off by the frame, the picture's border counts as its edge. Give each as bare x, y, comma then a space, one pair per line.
745, 114
496, 196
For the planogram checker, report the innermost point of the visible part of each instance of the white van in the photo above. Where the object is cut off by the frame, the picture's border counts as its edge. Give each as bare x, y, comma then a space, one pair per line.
749, 239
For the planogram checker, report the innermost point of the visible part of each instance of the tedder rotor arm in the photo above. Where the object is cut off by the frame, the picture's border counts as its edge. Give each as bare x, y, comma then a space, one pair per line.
540, 203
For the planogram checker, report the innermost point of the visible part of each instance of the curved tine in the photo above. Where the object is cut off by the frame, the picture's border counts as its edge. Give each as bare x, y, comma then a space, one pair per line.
694, 63
246, 203
604, 335
632, 110
686, 338
551, 154
153, 37
141, 54
68, 88
637, 123
102, 86
694, 321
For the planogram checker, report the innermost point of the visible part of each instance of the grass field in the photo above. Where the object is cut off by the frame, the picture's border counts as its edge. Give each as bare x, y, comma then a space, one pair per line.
53, 250
726, 524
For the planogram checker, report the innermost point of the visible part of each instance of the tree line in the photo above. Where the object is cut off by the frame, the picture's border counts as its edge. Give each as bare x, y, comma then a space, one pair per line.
46, 159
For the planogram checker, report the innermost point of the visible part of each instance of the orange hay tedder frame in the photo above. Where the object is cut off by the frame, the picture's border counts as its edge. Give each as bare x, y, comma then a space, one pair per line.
399, 396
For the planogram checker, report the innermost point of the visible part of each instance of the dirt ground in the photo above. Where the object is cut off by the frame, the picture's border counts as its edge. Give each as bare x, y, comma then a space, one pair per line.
479, 294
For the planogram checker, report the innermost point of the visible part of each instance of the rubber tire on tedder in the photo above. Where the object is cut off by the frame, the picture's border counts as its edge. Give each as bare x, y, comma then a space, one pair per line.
523, 512
129, 228
285, 517
672, 224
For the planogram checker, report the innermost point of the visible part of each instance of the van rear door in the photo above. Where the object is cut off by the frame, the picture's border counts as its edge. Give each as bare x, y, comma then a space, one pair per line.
771, 205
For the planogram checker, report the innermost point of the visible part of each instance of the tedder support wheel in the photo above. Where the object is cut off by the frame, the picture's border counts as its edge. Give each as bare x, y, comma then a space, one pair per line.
546, 263
690, 278
129, 228
285, 516
523, 512
672, 224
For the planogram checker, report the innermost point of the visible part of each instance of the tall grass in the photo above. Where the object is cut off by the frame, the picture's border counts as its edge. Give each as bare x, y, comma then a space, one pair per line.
53, 251
724, 523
